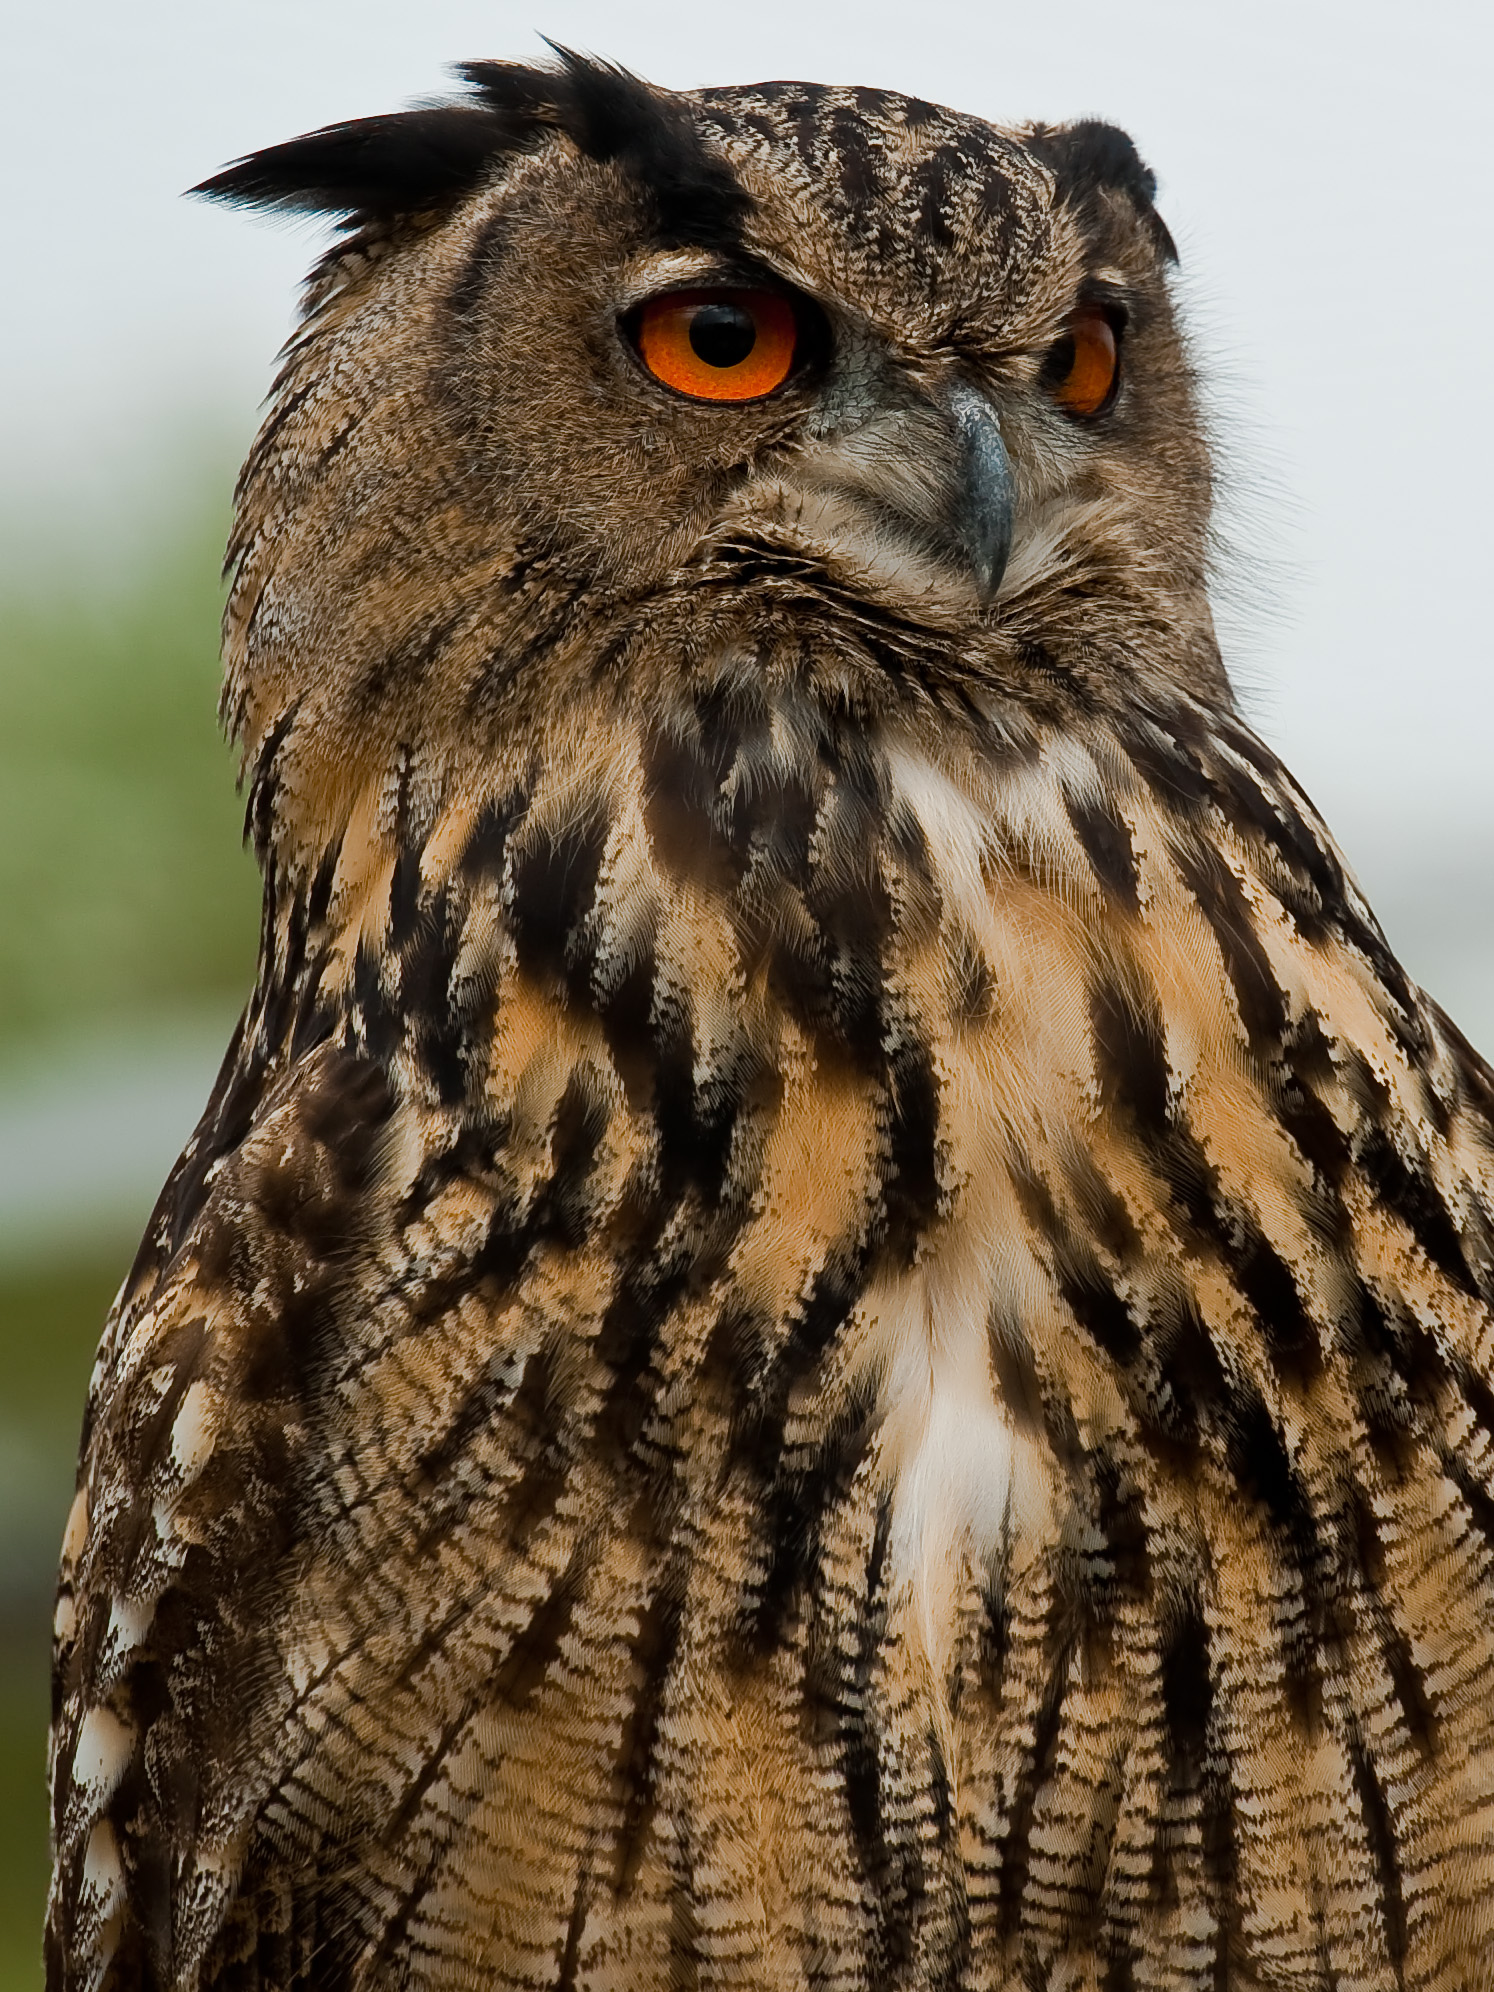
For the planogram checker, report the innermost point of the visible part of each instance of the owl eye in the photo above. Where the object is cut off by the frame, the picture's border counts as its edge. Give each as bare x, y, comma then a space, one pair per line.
717, 345
1082, 370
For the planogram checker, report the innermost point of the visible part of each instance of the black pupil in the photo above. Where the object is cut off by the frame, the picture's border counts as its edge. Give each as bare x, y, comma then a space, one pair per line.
1062, 358
722, 334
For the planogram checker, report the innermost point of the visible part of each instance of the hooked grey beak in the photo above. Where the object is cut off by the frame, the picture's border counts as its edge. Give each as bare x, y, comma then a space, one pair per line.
912, 500
982, 496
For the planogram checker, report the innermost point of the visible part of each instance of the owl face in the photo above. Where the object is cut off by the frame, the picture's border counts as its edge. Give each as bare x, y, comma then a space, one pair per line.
641, 354
955, 351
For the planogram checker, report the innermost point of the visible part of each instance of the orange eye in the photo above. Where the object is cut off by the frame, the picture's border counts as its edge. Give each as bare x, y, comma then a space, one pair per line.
718, 345
1082, 369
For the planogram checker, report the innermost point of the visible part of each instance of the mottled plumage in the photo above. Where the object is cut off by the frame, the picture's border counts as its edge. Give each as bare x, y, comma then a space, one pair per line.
831, 1325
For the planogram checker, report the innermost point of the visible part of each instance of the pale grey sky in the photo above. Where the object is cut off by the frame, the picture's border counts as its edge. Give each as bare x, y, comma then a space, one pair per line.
1325, 168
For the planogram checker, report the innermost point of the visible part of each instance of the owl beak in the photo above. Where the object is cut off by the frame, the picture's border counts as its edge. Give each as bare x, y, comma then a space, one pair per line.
981, 493
911, 500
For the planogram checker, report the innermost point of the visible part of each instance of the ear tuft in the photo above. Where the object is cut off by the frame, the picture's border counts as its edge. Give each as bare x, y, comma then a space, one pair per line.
413, 162
369, 169
1089, 156
610, 114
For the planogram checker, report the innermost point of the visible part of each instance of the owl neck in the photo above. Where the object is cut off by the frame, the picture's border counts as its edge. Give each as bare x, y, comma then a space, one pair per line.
802, 826
368, 754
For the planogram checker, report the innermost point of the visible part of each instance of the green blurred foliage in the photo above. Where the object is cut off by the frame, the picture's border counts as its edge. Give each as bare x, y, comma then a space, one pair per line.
123, 884
23, 1808
125, 898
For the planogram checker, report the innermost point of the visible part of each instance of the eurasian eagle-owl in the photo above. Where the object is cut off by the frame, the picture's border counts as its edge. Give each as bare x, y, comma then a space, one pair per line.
831, 1325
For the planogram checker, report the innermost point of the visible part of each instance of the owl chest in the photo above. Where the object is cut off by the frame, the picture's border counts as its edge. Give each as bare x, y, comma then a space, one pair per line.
746, 1236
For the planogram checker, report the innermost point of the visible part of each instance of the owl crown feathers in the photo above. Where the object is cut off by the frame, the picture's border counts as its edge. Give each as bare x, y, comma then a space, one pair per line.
422, 160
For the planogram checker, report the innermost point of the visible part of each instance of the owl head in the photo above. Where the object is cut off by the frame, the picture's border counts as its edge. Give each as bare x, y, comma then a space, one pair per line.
604, 381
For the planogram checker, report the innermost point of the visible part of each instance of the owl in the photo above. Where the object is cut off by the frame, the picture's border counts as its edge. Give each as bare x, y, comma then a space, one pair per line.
832, 1326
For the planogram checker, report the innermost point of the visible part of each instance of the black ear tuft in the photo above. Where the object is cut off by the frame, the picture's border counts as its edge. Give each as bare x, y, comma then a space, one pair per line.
416, 161
370, 168
608, 114
1088, 156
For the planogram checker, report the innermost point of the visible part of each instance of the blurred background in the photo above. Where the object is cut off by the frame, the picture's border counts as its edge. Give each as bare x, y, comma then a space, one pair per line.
1326, 172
